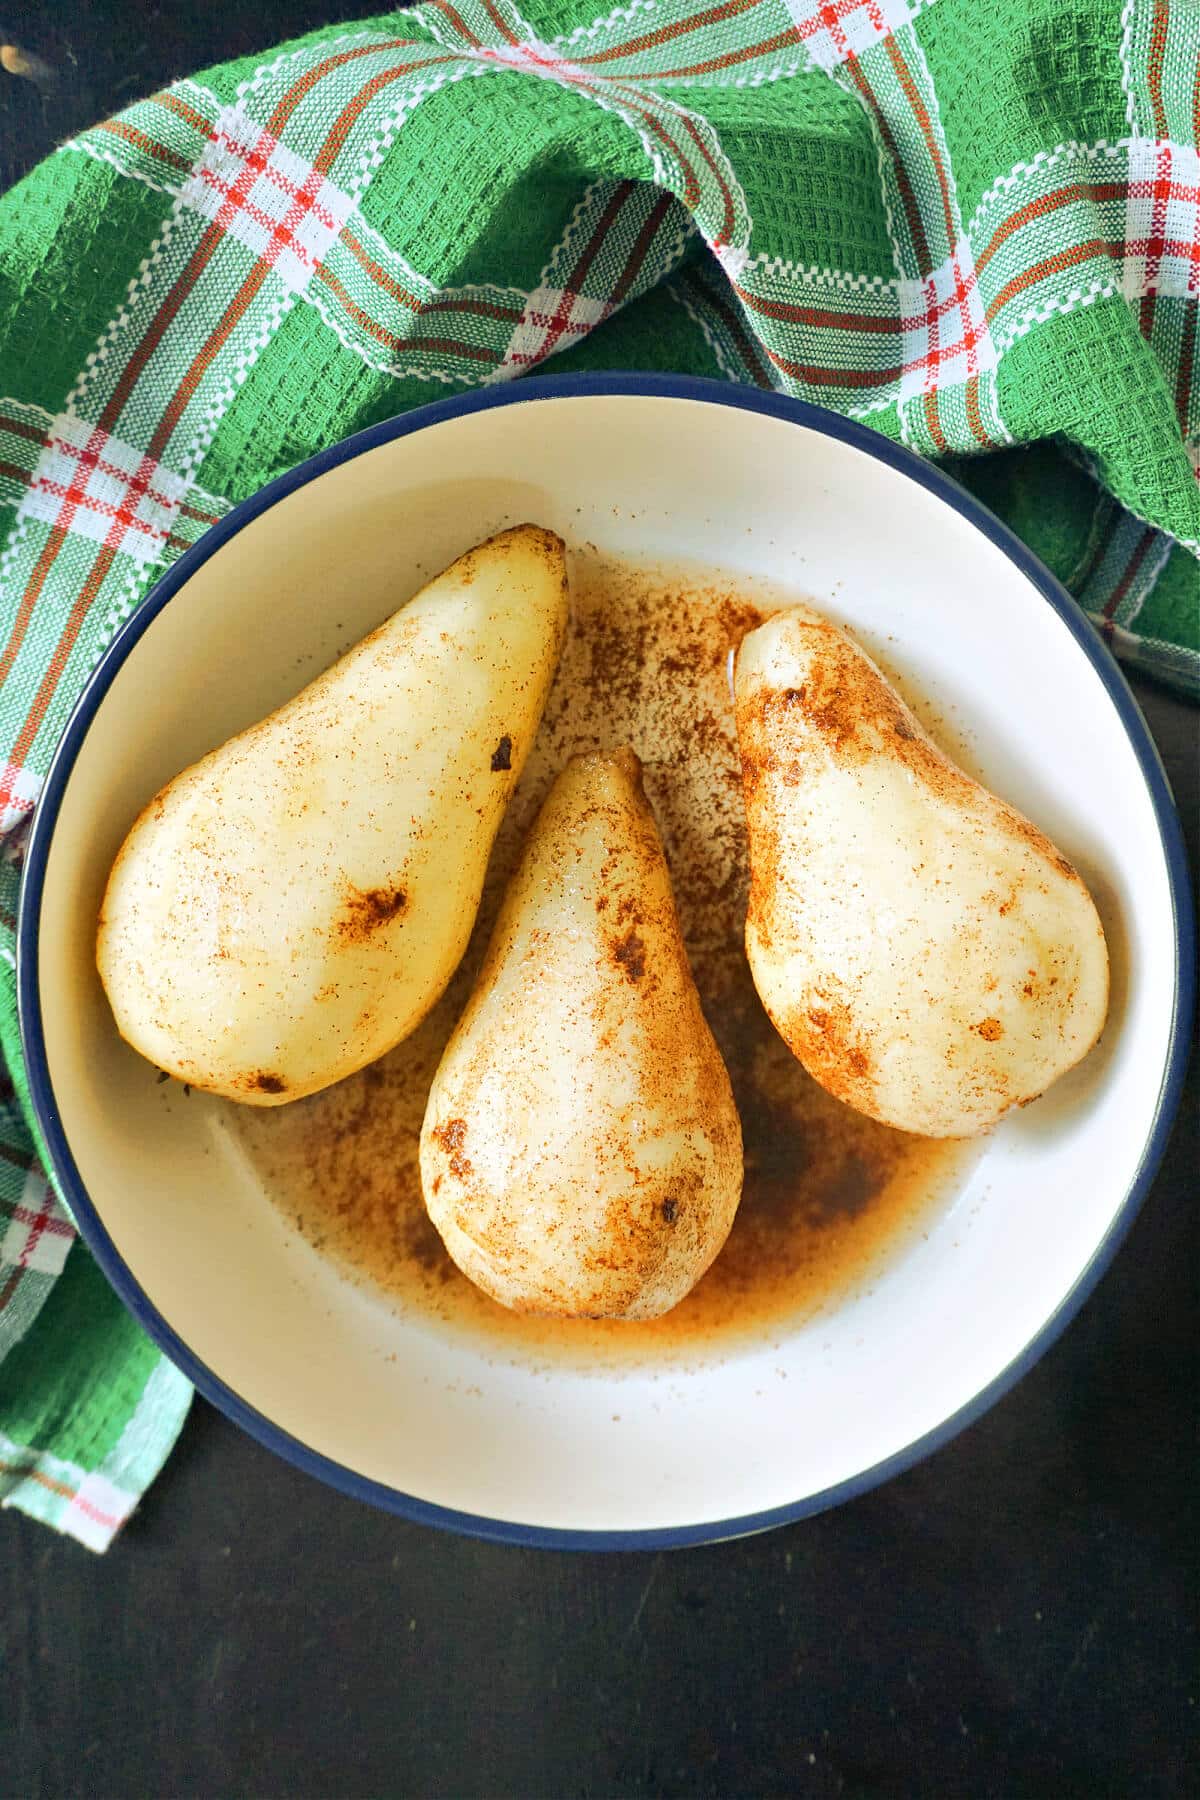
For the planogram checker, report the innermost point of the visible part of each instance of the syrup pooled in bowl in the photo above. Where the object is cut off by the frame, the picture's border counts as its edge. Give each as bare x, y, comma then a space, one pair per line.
829, 1194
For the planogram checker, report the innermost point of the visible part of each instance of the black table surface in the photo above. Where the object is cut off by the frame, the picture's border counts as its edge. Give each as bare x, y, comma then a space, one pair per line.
1015, 1616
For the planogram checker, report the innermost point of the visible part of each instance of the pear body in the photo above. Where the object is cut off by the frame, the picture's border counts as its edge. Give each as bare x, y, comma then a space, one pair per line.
290, 907
581, 1153
926, 952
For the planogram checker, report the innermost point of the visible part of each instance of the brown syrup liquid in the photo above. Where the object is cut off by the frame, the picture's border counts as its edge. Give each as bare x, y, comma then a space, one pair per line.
829, 1195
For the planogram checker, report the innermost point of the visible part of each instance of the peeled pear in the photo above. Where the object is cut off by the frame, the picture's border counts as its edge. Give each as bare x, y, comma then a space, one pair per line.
927, 953
290, 907
581, 1153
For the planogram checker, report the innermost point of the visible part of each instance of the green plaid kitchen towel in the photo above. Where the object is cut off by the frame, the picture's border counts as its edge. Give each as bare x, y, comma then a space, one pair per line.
977, 227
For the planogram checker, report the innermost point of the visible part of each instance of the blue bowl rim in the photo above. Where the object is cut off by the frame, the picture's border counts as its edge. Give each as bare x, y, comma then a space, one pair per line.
532, 391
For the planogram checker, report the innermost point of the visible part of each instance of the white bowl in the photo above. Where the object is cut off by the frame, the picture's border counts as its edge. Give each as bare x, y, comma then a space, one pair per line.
427, 1422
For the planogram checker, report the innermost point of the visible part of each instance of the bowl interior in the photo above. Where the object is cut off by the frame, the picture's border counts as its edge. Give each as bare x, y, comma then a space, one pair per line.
436, 1416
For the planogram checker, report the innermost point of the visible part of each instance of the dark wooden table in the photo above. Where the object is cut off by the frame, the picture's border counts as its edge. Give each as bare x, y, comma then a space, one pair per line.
1014, 1617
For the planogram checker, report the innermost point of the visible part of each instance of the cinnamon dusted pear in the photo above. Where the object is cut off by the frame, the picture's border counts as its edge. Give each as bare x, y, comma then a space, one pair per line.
581, 1153
926, 952
292, 906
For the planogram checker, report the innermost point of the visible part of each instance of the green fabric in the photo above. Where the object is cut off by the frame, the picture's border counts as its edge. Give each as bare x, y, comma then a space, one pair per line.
90, 1410
975, 228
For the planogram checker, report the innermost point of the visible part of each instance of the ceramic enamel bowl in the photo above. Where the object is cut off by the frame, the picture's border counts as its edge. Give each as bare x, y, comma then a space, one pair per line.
386, 1408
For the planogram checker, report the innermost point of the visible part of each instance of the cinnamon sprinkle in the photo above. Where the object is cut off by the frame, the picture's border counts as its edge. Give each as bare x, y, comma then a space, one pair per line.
828, 1192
